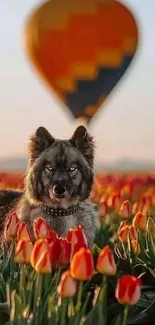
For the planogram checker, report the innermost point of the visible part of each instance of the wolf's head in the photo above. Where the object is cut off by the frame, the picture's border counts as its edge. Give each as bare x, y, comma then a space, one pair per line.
60, 172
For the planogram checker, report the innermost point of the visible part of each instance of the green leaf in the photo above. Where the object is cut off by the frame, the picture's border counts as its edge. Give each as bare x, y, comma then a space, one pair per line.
113, 310
53, 320
4, 317
151, 309
117, 320
103, 236
17, 307
95, 316
142, 319
4, 308
143, 312
151, 249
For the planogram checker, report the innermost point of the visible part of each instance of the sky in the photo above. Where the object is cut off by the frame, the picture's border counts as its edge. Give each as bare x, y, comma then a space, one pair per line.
124, 127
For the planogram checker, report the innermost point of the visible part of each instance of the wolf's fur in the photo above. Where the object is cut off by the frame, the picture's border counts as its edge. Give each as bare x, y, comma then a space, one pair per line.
66, 163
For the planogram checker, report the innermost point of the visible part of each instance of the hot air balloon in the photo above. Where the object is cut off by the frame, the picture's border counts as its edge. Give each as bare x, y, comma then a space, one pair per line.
81, 48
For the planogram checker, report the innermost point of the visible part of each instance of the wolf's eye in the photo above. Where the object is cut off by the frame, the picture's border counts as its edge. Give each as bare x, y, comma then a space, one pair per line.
72, 168
49, 168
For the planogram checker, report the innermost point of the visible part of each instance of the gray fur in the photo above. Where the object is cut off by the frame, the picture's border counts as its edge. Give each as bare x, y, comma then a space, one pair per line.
85, 216
67, 165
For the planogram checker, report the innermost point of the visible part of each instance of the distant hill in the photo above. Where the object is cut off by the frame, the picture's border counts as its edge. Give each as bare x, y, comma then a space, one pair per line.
127, 165
124, 165
13, 164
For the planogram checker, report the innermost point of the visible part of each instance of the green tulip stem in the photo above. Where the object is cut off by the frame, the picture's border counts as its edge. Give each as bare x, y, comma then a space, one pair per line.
47, 279
102, 293
102, 298
71, 311
63, 312
12, 254
125, 315
38, 292
58, 277
79, 297
22, 281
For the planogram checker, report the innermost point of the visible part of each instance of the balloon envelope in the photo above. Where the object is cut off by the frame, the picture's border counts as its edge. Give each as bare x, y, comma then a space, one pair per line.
81, 48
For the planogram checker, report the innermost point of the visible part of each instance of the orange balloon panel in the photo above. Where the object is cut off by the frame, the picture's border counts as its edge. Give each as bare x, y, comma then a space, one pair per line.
81, 48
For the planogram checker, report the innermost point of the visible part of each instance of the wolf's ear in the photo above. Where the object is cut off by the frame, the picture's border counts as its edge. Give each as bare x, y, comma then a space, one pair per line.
39, 142
83, 141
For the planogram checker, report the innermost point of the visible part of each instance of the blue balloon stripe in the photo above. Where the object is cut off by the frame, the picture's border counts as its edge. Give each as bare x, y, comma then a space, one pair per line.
89, 91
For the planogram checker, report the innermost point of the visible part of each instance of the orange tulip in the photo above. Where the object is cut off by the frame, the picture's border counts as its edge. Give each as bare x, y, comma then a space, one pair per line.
151, 227
123, 234
114, 201
153, 199
145, 209
122, 224
133, 233
41, 228
23, 232
126, 191
43, 264
82, 265
135, 246
77, 239
23, 251
146, 200
137, 206
11, 227
125, 209
140, 221
102, 210
105, 262
41, 246
128, 290
67, 286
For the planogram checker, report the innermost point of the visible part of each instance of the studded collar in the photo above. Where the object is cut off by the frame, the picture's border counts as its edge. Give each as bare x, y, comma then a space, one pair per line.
59, 212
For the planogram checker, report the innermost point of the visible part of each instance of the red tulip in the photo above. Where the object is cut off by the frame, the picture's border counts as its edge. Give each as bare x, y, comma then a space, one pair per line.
60, 249
23, 251
67, 286
54, 247
23, 232
52, 235
82, 265
77, 239
128, 290
11, 227
41, 228
65, 251
105, 262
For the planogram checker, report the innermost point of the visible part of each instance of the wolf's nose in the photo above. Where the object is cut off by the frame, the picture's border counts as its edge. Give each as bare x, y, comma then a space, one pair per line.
59, 189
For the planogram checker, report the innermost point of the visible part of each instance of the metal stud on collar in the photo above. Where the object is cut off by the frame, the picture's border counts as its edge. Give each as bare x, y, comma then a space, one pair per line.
59, 212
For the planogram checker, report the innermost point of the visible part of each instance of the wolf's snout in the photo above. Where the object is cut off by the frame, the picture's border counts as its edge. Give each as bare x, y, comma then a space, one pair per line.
59, 189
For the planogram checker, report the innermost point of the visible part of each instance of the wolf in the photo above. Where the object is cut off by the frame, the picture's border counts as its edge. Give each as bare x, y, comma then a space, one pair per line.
58, 182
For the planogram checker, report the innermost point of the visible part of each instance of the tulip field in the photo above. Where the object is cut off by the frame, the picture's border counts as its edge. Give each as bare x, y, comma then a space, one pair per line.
61, 281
